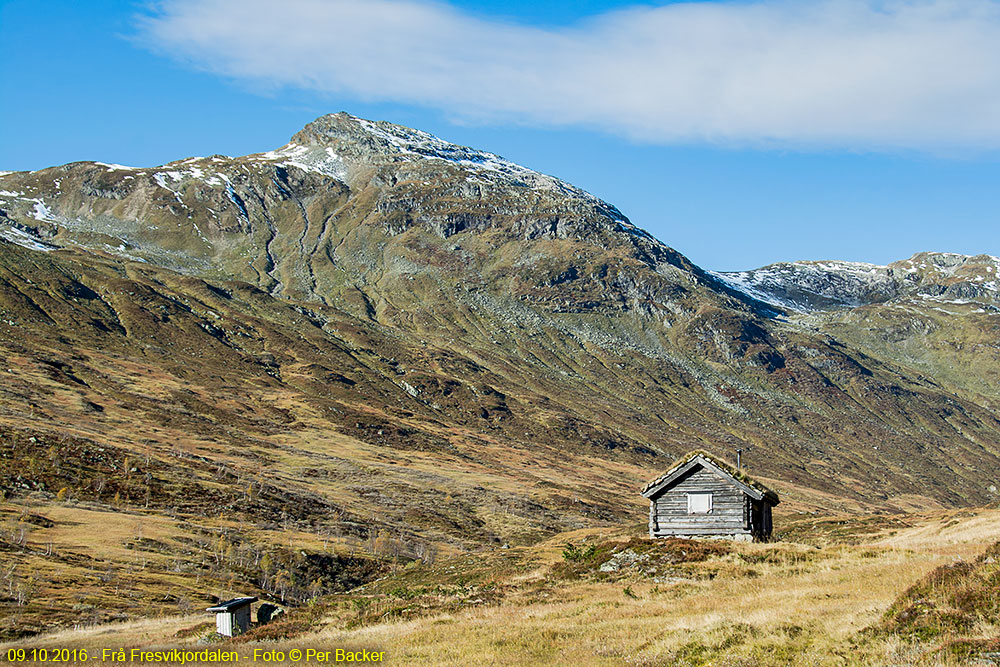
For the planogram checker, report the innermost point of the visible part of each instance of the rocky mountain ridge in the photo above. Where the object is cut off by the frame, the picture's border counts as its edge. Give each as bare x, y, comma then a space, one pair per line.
934, 312
810, 286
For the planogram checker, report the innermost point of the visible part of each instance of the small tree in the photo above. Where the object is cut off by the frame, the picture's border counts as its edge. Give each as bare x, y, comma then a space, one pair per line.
282, 583
26, 589
266, 567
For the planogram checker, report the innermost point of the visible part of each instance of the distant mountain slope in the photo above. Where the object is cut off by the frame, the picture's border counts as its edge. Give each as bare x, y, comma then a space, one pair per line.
938, 313
432, 339
811, 286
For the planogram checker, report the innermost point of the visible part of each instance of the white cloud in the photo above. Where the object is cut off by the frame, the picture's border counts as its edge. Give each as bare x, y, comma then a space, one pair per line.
871, 75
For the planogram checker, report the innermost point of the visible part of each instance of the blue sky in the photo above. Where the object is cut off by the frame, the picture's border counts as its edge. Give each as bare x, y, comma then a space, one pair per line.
735, 174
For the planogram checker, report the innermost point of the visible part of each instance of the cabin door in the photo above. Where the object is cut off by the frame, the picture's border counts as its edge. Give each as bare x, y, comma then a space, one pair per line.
756, 518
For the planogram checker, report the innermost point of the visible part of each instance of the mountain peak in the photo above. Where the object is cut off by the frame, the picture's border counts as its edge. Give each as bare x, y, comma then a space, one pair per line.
344, 132
380, 142
346, 147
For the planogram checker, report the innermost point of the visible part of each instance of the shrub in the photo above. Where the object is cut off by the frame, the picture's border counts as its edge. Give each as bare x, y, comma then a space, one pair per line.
948, 602
575, 554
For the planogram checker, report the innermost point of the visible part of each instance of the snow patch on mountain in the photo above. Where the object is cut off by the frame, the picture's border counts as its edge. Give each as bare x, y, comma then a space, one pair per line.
421, 144
742, 282
116, 167
41, 211
25, 240
307, 158
231, 193
161, 180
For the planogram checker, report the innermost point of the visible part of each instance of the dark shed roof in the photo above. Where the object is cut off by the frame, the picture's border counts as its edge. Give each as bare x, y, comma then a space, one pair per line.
747, 484
232, 605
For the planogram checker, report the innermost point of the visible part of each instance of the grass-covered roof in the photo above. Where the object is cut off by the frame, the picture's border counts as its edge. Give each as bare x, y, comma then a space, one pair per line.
723, 465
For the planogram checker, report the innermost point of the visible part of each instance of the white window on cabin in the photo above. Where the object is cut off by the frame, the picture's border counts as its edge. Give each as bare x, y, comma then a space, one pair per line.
699, 503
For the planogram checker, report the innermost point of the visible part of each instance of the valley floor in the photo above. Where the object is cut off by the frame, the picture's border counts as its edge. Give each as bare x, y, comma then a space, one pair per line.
863, 590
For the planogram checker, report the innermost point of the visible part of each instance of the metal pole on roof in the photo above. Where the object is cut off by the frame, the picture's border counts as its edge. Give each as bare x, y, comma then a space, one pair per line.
739, 457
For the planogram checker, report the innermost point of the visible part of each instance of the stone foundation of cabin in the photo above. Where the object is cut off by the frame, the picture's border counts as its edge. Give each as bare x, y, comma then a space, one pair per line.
736, 537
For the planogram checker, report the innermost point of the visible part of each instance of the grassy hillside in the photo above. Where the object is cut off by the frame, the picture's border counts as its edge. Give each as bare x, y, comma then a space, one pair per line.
955, 342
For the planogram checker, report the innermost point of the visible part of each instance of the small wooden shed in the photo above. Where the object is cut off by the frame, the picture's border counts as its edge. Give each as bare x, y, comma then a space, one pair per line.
703, 496
232, 617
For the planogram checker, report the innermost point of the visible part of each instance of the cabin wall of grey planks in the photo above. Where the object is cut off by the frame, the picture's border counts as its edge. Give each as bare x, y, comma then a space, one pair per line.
701, 502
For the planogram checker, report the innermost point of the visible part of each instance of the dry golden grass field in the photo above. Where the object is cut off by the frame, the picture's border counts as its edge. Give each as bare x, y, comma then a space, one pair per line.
858, 590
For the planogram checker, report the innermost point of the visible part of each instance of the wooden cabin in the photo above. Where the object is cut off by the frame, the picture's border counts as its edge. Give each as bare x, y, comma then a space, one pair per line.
232, 617
703, 496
